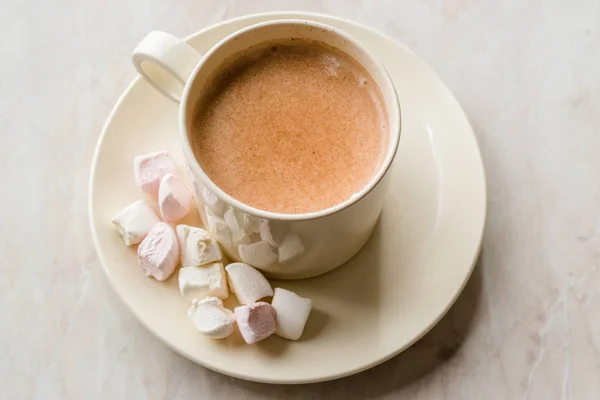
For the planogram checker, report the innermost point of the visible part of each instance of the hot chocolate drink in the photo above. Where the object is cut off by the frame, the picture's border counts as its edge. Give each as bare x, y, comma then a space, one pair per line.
290, 127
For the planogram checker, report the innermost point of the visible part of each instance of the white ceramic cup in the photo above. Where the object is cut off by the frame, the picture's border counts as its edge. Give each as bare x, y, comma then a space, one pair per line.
284, 246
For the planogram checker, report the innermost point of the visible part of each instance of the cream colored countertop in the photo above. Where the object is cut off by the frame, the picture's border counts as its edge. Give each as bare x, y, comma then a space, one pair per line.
527, 325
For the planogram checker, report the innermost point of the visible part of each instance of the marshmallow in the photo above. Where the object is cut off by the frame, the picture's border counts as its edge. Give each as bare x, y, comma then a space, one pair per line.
290, 248
236, 227
292, 313
197, 246
247, 283
211, 201
149, 170
174, 198
259, 254
202, 281
217, 228
211, 319
272, 232
158, 253
256, 321
211, 300
134, 222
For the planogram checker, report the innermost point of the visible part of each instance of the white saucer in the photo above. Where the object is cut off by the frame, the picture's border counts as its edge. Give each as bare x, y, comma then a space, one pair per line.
387, 297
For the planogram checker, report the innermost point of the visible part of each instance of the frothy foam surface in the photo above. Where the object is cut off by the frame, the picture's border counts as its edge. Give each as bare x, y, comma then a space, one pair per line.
293, 127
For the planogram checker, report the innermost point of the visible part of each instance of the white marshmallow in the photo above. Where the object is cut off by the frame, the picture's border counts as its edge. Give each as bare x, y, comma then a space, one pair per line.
211, 300
217, 228
247, 283
134, 222
272, 232
158, 254
292, 313
149, 170
211, 319
236, 227
202, 281
197, 246
211, 201
290, 248
174, 198
259, 254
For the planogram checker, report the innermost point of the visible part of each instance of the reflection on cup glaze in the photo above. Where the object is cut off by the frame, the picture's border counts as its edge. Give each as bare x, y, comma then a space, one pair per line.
258, 254
234, 222
191, 175
216, 205
272, 232
218, 228
258, 242
250, 224
290, 248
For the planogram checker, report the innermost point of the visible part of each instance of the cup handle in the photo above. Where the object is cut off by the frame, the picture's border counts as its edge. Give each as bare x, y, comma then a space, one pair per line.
166, 62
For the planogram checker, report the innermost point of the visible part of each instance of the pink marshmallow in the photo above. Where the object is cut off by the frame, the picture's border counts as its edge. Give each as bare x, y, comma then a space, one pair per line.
158, 254
149, 170
174, 198
255, 321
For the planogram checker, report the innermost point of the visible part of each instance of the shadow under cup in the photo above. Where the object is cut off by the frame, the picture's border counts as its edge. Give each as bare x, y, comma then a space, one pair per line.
288, 246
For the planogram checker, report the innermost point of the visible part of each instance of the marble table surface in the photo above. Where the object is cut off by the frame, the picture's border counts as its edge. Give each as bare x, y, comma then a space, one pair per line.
528, 323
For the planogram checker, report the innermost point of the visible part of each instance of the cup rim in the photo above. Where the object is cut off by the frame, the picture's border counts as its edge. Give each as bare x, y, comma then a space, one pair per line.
394, 115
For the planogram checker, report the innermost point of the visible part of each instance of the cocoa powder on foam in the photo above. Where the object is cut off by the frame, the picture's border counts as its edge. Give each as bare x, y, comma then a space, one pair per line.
292, 127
